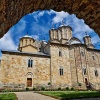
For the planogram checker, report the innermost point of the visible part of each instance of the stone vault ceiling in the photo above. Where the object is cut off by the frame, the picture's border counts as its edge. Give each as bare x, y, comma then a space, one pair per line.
11, 11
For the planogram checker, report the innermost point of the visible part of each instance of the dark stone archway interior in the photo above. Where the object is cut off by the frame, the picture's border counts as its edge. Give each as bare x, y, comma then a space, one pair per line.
11, 11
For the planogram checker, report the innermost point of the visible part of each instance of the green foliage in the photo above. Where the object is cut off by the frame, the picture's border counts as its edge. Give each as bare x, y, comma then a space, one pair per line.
72, 89
27, 89
67, 88
59, 88
79, 84
49, 83
43, 88
34, 89
8, 96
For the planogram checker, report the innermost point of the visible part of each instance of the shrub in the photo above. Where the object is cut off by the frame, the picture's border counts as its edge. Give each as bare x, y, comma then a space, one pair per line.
27, 89
49, 83
79, 84
67, 88
34, 89
72, 89
59, 89
43, 88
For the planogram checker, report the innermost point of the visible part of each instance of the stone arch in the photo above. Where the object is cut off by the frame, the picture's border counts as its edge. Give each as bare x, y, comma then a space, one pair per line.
12, 11
29, 74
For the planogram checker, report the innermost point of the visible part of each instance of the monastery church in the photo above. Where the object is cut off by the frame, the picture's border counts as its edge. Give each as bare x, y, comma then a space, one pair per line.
63, 61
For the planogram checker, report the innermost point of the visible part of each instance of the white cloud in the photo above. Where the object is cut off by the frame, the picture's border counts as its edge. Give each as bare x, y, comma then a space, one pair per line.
20, 26
6, 42
36, 37
41, 13
59, 16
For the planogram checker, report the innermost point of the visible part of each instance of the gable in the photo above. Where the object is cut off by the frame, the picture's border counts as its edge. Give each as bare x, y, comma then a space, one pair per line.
29, 48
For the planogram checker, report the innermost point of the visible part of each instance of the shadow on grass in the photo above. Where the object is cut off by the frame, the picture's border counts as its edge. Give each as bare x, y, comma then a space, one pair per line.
67, 95
79, 95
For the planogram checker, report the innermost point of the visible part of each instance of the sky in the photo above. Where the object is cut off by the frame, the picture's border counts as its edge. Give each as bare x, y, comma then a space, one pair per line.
38, 24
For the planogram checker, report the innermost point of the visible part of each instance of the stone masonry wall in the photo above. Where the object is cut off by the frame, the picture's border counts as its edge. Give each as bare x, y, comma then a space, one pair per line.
14, 70
57, 62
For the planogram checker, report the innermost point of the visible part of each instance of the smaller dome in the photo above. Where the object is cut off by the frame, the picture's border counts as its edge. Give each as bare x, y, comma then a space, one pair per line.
74, 41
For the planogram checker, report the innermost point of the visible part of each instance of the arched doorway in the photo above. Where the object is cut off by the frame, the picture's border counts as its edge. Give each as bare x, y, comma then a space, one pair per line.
29, 79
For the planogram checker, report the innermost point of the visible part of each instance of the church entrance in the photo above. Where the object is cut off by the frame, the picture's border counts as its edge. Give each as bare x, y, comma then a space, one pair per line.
29, 82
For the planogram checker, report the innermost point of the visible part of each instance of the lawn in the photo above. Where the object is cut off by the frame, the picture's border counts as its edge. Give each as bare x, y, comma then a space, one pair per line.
7, 96
72, 94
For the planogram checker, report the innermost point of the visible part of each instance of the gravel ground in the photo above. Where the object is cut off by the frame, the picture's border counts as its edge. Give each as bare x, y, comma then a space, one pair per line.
32, 96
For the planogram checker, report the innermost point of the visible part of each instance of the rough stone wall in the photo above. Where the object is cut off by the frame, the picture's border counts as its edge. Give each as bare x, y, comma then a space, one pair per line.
92, 66
57, 62
79, 61
14, 70
11, 11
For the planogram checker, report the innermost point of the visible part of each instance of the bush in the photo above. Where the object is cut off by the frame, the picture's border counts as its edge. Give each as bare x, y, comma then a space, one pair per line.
79, 84
72, 89
67, 88
34, 89
27, 89
59, 89
49, 83
43, 88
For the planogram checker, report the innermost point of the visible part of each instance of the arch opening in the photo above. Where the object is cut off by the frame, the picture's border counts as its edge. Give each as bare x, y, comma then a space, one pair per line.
38, 24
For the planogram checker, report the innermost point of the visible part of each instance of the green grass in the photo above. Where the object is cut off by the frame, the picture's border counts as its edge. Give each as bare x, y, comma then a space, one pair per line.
72, 94
8, 96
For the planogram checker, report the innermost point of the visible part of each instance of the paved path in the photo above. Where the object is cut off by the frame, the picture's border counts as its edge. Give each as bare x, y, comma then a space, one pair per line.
32, 96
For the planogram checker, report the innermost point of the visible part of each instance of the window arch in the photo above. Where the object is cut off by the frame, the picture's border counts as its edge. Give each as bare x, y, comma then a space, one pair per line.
61, 71
82, 53
30, 63
93, 57
84, 71
96, 73
60, 53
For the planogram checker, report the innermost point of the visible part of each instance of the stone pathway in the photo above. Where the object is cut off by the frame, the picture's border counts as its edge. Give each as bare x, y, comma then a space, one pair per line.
32, 96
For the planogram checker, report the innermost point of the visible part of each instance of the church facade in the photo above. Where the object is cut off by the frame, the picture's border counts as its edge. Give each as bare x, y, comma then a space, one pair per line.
63, 62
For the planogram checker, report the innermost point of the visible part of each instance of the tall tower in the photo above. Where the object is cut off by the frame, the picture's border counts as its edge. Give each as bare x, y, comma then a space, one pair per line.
66, 33
87, 41
62, 34
53, 34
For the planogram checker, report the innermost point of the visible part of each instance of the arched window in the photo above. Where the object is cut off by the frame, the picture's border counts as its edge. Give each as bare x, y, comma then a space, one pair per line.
30, 63
60, 53
61, 71
84, 71
93, 57
26, 42
96, 73
82, 53
22, 42
30, 41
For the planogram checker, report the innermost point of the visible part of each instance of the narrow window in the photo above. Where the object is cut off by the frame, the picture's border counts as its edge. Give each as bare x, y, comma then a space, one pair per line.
82, 53
84, 71
61, 71
30, 63
30, 41
60, 53
93, 57
96, 73
22, 42
26, 42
